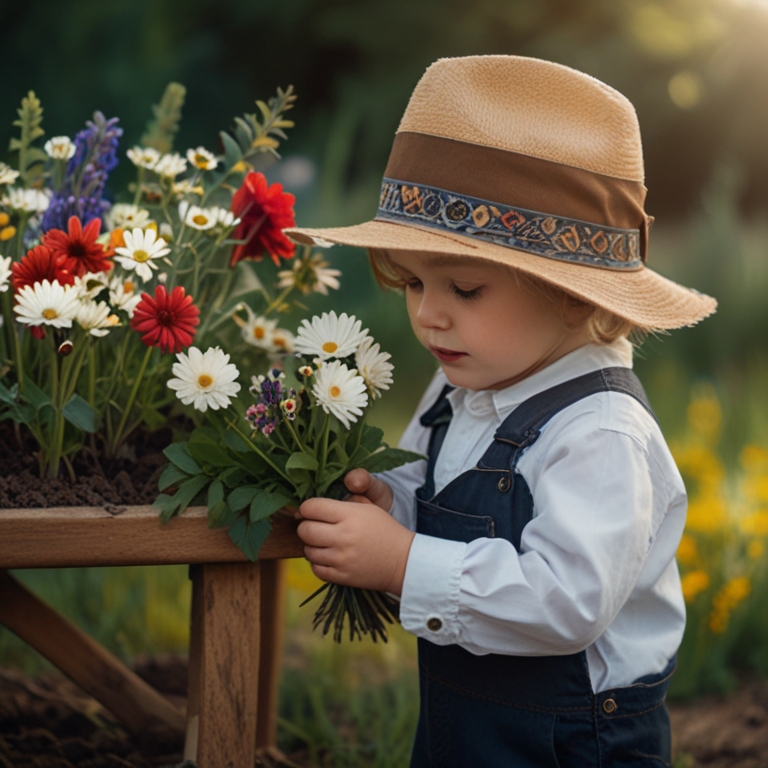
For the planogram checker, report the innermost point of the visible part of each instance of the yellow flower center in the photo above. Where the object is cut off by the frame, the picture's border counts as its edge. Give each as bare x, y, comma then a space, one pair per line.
258, 332
278, 341
128, 286
200, 220
330, 347
140, 256
334, 391
50, 314
204, 381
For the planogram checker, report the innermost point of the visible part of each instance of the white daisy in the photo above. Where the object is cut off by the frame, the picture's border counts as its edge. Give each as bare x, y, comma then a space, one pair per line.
330, 336
126, 216
196, 217
96, 317
60, 148
204, 379
142, 247
372, 365
282, 341
5, 273
310, 274
123, 294
186, 187
224, 218
7, 174
91, 284
257, 330
201, 158
170, 165
340, 391
143, 157
47, 303
27, 200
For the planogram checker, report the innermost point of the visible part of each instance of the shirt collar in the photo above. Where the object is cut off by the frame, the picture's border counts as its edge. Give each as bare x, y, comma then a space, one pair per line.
590, 357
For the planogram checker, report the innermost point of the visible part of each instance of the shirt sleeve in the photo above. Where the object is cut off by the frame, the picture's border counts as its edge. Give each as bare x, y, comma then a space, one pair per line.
404, 480
596, 509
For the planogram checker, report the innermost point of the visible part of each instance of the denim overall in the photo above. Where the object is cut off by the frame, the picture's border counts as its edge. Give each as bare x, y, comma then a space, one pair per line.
523, 711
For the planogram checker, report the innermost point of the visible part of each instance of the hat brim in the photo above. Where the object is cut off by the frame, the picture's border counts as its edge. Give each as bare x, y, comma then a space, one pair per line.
641, 296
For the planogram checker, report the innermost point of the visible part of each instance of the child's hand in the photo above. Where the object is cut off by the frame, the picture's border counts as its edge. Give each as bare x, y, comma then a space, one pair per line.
355, 544
364, 487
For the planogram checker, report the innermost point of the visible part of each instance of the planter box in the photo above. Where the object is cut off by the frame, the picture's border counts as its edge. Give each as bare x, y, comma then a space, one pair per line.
234, 655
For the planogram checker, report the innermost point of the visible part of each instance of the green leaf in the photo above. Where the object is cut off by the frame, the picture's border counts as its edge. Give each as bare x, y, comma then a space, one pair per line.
265, 504
389, 458
167, 115
250, 536
372, 438
232, 477
205, 450
8, 395
241, 497
188, 490
301, 460
35, 396
81, 414
171, 475
232, 152
220, 515
234, 442
178, 453
215, 493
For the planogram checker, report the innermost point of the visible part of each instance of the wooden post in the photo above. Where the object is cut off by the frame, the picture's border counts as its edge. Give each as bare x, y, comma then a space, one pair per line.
222, 707
272, 614
100, 674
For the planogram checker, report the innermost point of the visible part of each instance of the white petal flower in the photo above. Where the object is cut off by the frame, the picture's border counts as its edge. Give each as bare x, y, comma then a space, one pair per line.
330, 336
142, 247
196, 217
7, 174
143, 157
282, 341
123, 294
224, 218
91, 284
60, 148
207, 380
257, 330
126, 216
27, 200
186, 187
5, 273
47, 303
340, 391
170, 165
96, 318
201, 158
372, 365
309, 274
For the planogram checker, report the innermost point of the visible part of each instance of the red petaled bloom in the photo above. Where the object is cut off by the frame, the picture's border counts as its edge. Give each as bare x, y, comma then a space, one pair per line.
39, 264
78, 249
166, 321
264, 212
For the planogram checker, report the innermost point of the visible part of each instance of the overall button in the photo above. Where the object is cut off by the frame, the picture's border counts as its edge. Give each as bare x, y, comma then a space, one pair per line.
434, 624
504, 484
610, 706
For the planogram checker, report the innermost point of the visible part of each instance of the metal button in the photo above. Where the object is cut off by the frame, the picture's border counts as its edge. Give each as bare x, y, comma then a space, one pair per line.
610, 706
504, 484
434, 624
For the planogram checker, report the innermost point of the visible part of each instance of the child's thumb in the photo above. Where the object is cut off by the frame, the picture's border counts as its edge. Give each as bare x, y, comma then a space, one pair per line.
358, 481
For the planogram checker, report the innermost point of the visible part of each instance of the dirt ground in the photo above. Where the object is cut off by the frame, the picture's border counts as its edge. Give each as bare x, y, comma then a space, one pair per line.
47, 722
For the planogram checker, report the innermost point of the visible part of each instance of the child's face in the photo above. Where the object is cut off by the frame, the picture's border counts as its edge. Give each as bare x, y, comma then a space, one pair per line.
485, 328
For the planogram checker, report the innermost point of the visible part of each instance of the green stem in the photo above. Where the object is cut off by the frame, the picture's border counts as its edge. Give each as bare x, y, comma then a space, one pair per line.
91, 376
258, 452
57, 433
295, 437
279, 300
131, 398
324, 444
13, 332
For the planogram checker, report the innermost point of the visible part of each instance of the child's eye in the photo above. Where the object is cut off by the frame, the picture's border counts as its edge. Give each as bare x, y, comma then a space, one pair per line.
466, 295
414, 285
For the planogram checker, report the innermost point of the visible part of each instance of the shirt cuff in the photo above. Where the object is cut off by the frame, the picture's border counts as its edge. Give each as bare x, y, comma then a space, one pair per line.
429, 604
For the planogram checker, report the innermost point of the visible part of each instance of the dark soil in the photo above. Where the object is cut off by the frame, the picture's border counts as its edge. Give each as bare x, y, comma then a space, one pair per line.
129, 479
49, 723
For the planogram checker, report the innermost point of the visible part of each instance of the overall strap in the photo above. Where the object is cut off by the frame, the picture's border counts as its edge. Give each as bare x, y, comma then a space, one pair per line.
523, 426
438, 417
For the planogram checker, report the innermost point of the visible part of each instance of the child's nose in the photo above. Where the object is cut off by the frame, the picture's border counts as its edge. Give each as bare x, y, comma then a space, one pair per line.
432, 313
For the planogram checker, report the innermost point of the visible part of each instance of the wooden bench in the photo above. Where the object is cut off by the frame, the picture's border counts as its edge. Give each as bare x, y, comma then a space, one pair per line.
235, 640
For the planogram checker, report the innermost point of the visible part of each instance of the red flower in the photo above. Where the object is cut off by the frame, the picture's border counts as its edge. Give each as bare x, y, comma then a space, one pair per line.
166, 321
39, 264
78, 249
264, 212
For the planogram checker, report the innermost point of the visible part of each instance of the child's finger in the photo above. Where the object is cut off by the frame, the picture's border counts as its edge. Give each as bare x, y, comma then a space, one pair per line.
319, 556
358, 480
316, 533
327, 510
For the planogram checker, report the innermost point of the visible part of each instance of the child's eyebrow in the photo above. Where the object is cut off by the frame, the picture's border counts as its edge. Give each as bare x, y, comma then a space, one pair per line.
447, 260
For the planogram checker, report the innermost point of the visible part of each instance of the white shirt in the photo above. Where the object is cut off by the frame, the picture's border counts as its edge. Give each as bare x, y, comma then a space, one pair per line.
596, 568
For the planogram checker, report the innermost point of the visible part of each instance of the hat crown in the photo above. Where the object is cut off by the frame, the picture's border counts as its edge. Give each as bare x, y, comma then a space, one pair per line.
532, 107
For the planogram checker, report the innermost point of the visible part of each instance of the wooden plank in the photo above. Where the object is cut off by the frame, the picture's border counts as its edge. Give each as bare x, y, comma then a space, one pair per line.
272, 615
100, 674
223, 704
83, 536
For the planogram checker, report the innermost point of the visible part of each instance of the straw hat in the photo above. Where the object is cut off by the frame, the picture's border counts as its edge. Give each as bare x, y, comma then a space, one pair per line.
533, 165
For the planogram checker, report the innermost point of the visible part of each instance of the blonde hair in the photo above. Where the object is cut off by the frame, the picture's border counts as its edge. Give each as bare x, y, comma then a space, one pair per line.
602, 326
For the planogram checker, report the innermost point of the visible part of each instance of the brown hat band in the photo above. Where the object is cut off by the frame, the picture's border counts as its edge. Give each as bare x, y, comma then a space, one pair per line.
515, 200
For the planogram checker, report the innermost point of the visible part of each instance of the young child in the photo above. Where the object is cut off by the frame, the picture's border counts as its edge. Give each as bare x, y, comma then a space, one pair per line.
534, 551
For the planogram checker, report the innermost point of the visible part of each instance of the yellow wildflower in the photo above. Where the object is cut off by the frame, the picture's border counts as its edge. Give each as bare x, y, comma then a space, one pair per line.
756, 488
693, 583
706, 514
733, 592
755, 549
756, 524
687, 552
754, 458
705, 414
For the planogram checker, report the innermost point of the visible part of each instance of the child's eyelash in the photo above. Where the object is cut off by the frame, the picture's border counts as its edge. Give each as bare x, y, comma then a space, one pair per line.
466, 295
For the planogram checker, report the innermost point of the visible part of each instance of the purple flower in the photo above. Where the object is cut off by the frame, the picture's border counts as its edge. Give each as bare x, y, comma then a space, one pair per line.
81, 193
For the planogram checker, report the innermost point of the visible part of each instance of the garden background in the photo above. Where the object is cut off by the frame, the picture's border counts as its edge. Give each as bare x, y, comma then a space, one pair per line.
697, 73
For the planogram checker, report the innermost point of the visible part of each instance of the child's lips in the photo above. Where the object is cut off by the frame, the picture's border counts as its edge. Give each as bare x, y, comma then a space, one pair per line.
446, 355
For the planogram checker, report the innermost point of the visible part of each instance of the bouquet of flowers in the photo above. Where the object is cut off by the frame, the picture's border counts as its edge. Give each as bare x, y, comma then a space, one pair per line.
96, 297
305, 431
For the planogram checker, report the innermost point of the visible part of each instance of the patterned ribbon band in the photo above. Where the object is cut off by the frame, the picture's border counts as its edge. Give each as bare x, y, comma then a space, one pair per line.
555, 237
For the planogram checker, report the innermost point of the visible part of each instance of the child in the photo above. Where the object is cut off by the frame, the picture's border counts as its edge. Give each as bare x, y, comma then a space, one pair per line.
534, 550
